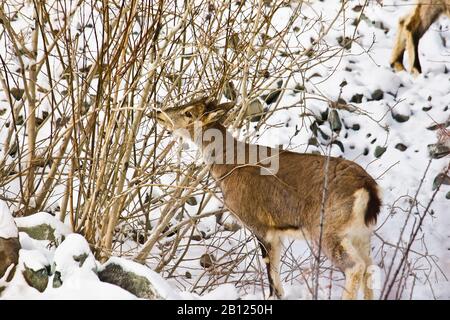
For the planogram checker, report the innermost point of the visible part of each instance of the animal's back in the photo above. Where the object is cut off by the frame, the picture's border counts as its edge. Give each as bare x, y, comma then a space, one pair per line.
292, 198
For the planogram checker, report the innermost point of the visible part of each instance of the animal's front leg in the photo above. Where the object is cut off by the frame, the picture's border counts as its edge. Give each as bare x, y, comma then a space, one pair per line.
270, 250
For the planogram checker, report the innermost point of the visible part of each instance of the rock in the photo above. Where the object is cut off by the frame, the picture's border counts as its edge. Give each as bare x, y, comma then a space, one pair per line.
377, 95
43, 226
229, 91
313, 141
255, 110
357, 98
401, 147
447, 196
339, 144
379, 151
427, 108
274, 95
441, 179
36, 279
17, 93
346, 42
136, 284
207, 260
356, 127
335, 121
72, 258
136, 278
40, 232
35, 268
436, 126
197, 237
191, 201
400, 117
438, 150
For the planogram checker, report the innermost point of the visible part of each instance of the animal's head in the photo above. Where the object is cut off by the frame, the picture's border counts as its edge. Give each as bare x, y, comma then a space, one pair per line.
200, 112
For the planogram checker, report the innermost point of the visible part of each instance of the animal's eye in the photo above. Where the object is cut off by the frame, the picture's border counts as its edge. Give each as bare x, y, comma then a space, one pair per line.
188, 114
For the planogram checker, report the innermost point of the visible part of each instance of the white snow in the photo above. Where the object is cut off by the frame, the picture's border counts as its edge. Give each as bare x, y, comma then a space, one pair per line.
33, 259
73, 246
8, 228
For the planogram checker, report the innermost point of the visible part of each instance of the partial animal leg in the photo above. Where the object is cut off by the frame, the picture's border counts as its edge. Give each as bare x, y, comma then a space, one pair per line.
271, 255
416, 26
399, 47
347, 258
367, 285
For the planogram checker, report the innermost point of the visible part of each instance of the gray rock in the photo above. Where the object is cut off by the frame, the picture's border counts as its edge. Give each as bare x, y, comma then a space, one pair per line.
138, 285
255, 110
37, 279
335, 121
400, 117
274, 95
357, 98
441, 179
345, 42
191, 201
207, 260
436, 126
379, 151
40, 232
447, 196
17, 93
377, 95
438, 150
401, 147
229, 91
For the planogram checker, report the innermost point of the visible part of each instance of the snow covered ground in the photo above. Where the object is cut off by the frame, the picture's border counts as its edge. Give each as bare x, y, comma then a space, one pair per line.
388, 135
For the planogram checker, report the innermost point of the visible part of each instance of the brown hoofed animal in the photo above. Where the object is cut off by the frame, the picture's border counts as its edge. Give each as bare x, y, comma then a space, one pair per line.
289, 201
411, 28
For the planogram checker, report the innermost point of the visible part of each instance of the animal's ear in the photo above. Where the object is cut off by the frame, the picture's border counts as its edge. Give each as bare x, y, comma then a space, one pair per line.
212, 116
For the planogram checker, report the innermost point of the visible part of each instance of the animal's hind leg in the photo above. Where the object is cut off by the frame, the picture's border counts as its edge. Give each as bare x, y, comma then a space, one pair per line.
415, 27
367, 282
270, 251
399, 47
348, 259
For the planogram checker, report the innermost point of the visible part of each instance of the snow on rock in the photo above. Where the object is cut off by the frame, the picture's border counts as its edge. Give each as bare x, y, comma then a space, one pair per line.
73, 256
35, 268
43, 226
8, 228
33, 259
137, 279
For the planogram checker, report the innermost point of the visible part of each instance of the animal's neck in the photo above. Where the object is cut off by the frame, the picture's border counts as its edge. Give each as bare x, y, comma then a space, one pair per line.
219, 148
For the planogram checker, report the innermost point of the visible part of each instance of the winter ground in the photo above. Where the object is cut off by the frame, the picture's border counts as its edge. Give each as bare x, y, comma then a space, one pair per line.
398, 124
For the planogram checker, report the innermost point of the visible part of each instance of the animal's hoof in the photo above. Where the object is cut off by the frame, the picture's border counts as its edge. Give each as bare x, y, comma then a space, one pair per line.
397, 66
415, 72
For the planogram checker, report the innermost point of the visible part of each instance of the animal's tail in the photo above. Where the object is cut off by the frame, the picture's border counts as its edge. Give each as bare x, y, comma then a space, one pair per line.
373, 205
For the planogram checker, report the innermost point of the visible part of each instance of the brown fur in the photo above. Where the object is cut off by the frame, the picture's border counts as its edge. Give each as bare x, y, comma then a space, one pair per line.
288, 203
411, 28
